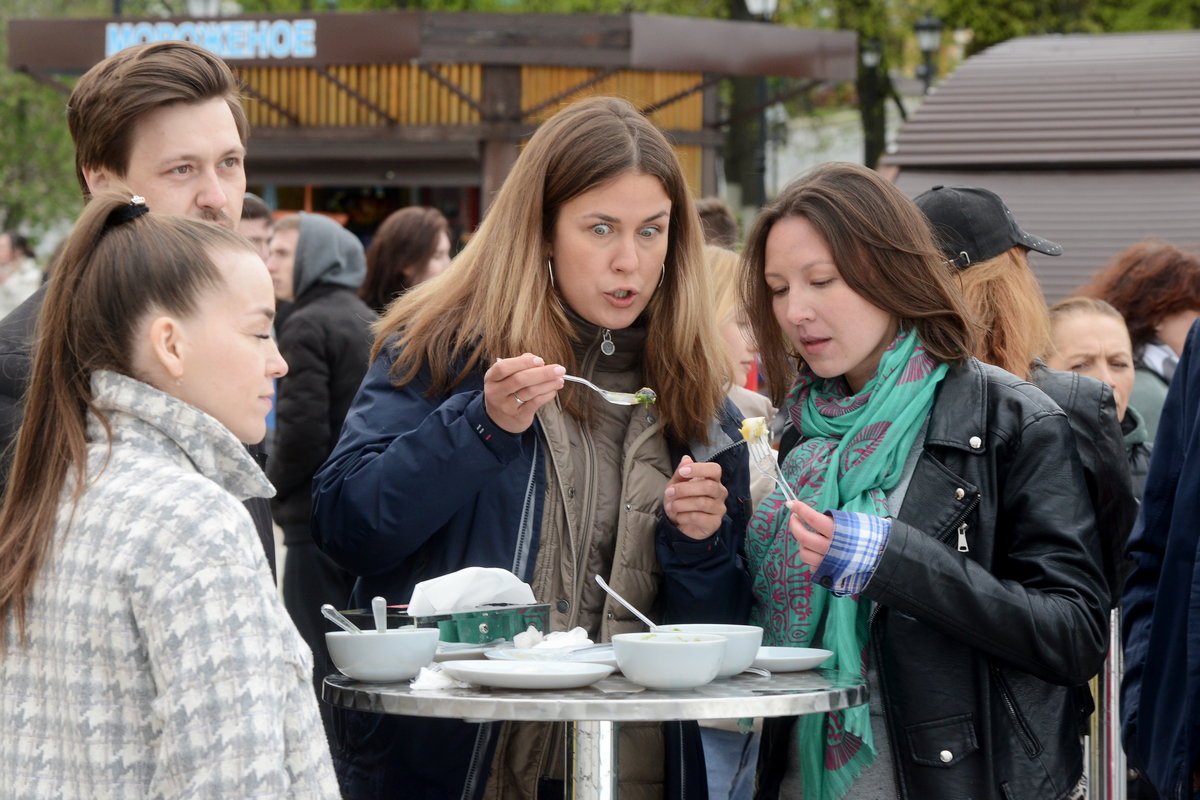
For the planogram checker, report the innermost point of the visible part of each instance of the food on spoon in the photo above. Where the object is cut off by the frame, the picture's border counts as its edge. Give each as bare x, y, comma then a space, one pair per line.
646, 395
754, 428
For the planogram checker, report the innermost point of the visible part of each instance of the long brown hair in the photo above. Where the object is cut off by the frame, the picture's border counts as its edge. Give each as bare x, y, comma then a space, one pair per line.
114, 95
399, 253
883, 249
498, 299
1010, 308
724, 272
109, 278
1147, 283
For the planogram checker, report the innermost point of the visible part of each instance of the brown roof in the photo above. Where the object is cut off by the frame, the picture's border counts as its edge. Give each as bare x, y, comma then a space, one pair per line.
1093, 141
615, 41
1056, 100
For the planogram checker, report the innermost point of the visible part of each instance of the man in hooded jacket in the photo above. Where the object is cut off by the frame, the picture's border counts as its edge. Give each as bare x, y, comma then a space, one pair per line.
317, 265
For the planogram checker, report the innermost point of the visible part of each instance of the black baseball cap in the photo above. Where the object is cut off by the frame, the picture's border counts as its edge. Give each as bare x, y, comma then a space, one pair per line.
973, 225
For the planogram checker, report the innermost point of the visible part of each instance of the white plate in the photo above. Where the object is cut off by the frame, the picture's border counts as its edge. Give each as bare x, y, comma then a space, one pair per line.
600, 654
790, 659
527, 674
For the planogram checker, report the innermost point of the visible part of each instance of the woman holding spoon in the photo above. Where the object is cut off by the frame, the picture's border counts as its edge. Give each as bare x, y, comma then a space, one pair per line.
943, 543
465, 447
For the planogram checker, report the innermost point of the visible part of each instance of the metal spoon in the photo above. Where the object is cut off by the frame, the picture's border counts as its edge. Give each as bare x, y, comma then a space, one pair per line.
379, 609
643, 395
623, 602
333, 615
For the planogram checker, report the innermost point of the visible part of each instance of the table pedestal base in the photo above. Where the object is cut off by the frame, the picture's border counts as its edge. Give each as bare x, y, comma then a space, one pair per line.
593, 760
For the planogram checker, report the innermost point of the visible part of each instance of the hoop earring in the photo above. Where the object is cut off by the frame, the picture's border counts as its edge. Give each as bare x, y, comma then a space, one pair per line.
550, 269
662, 276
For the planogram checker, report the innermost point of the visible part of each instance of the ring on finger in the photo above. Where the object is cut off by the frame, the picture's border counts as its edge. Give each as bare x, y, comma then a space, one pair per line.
520, 402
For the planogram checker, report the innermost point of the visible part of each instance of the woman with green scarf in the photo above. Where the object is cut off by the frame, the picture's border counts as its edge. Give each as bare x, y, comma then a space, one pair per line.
943, 545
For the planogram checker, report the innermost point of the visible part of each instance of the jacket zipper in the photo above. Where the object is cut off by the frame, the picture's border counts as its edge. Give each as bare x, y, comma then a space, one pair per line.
482, 737
525, 526
961, 530
585, 519
959, 526
588, 495
1030, 744
723, 450
682, 763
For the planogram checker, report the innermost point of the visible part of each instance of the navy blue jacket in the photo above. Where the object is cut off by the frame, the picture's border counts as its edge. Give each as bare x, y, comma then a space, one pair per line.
420, 486
1160, 693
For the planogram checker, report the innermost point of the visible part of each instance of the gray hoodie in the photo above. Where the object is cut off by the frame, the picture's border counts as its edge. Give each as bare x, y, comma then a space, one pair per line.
326, 253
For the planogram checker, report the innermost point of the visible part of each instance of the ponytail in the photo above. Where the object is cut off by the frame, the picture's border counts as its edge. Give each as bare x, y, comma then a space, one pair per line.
119, 264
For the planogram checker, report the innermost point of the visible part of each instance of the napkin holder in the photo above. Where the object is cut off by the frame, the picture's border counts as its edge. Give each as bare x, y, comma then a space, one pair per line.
481, 624
488, 622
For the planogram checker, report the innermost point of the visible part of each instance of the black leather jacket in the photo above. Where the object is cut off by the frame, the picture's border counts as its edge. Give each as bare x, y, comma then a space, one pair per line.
1100, 442
979, 651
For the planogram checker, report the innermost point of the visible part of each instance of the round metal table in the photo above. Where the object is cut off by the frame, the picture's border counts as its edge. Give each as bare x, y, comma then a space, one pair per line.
594, 712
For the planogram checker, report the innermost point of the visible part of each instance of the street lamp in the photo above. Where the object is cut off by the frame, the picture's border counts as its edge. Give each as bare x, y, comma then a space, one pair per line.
929, 40
871, 53
765, 11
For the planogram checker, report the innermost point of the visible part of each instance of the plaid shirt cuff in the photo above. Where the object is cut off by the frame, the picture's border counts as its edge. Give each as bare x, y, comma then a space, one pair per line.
858, 542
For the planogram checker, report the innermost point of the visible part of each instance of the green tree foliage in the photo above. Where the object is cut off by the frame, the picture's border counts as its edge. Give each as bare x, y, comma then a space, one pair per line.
1151, 15
994, 23
37, 167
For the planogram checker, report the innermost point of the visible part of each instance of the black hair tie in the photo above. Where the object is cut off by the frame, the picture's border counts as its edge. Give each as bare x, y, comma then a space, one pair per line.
124, 213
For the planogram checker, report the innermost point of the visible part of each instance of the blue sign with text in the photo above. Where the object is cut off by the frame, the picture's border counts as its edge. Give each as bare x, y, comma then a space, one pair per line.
229, 39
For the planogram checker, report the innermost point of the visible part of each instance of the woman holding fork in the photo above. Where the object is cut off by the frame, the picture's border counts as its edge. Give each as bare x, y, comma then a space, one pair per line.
465, 448
942, 544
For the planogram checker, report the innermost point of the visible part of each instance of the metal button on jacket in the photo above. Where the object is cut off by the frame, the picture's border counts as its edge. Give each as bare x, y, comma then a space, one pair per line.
562, 606
946, 756
959, 494
975, 442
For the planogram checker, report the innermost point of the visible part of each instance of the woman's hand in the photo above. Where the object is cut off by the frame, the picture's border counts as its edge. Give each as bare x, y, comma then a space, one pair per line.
515, 388
694, 500
812, 530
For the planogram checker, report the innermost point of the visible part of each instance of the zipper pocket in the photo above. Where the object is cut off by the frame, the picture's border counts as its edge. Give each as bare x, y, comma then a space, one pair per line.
959, 526
1032, 748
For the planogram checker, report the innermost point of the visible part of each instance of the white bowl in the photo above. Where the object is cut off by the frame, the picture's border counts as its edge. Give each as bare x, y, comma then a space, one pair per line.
740, 650
669, 660
394, 655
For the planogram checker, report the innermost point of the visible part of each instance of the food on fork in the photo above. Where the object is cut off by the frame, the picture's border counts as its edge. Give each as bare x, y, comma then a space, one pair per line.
646, 395
754, 428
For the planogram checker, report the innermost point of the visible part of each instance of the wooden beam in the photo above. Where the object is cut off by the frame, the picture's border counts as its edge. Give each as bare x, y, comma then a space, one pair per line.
46, 80
454, 89
500, 145
324, 73
558, 98
292, 119
709, 80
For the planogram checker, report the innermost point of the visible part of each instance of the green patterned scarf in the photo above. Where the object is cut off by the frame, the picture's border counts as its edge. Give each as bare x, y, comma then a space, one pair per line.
852, 451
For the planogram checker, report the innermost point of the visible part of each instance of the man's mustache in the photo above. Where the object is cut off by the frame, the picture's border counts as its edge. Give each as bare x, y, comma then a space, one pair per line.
217, 216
